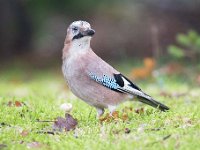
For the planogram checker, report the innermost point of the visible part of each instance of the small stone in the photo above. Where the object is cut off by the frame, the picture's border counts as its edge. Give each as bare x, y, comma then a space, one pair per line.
67, 107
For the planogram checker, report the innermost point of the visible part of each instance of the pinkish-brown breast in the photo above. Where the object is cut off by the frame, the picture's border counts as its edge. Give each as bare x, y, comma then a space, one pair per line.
76, 72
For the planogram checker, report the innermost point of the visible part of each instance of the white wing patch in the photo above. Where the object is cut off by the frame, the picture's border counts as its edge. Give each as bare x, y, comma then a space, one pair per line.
127, 88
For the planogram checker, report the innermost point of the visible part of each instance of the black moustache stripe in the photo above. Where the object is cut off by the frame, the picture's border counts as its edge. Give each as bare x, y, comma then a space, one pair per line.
78, 36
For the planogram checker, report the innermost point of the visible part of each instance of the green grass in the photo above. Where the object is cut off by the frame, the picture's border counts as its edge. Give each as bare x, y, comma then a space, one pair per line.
44, 91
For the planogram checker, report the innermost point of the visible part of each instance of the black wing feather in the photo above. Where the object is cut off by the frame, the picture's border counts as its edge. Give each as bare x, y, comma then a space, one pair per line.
120, 82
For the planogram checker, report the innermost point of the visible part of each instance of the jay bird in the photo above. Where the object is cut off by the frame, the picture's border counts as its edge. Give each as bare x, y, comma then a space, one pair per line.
92, 79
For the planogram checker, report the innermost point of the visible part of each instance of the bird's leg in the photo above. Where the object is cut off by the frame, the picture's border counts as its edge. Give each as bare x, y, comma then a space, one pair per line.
100, 112
111, 109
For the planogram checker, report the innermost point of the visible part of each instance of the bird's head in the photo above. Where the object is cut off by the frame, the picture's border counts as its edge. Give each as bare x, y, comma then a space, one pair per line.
79, 31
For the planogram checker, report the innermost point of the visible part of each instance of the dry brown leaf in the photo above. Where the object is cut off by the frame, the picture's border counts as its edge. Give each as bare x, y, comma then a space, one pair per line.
15, 104
149, 63
145, 71
24, 133
68, 123
115, 116
18, 104
124, 116
107, 118
139, 111
127, 109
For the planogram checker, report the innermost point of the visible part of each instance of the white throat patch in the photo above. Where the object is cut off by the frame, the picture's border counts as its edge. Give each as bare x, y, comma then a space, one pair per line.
79, 46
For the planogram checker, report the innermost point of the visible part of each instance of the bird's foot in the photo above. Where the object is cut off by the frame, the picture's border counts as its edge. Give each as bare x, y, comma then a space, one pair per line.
99, 112
111, 109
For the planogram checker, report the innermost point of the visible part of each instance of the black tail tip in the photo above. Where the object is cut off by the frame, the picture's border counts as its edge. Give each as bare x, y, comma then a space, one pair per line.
163, 108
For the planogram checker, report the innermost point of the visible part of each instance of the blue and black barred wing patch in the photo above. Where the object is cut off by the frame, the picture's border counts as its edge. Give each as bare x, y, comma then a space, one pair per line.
106, 81
118, 83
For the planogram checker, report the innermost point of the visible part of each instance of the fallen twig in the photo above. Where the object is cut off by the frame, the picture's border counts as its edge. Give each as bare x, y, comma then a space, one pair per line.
163, 139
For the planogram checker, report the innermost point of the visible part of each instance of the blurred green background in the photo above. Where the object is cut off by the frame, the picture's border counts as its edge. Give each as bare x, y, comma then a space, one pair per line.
34, 30
155, 43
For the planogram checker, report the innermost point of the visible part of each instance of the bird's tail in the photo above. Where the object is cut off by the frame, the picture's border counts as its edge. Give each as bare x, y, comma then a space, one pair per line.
150, 101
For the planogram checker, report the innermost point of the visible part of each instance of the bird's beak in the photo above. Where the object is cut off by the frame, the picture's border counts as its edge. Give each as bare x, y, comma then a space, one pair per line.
89, 32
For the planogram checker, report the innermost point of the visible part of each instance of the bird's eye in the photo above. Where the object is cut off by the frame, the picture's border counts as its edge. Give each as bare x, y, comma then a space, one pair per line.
74, 28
